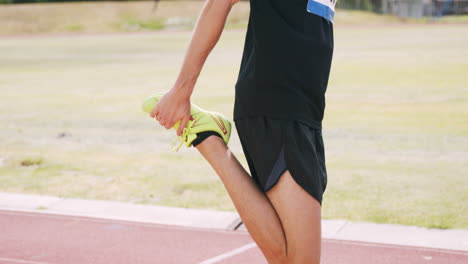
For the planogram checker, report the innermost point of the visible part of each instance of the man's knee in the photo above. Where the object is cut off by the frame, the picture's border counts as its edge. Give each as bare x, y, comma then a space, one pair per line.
292, 259
305, 258
277, 256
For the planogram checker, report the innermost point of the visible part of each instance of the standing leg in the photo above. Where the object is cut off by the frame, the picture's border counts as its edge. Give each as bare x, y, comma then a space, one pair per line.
254, 207
300, 215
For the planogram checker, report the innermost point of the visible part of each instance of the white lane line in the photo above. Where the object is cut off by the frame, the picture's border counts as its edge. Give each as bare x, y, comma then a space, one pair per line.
229, 254
10, 260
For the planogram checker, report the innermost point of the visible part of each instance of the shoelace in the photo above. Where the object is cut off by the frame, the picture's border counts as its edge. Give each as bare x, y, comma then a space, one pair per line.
182, 138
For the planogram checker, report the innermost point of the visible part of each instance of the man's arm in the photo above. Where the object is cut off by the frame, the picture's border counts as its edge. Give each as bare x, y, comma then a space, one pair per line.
175, 105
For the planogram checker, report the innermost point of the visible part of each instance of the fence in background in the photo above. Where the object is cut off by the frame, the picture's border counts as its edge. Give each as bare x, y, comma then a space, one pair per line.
422, 8
408, 8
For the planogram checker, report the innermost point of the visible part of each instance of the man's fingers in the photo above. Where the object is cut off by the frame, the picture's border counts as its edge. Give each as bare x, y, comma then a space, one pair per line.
183, 124
155, 111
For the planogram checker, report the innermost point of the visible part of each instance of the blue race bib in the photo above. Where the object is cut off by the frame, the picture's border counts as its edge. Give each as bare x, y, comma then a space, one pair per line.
323, 8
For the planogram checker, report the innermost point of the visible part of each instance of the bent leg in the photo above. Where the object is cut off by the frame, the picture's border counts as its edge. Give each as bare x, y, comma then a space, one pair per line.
255, 210
300, 216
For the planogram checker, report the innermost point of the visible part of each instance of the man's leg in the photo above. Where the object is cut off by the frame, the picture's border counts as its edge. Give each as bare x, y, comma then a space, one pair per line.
300, 215
254, 207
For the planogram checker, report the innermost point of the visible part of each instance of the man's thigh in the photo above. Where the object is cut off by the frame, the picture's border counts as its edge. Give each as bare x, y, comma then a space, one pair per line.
300, 215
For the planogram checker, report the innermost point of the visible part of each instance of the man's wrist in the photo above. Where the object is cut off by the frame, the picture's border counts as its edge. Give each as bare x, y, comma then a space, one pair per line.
183, 88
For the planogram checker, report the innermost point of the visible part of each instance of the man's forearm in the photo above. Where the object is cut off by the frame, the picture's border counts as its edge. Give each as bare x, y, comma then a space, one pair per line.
206, 34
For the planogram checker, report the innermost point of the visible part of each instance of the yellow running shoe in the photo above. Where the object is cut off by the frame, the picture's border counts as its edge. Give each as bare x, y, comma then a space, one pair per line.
200, 121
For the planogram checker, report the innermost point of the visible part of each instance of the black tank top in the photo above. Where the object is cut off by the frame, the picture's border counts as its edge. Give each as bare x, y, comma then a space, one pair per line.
286, 61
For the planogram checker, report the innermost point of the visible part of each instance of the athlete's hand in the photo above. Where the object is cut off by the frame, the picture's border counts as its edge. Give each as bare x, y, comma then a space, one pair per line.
172, 107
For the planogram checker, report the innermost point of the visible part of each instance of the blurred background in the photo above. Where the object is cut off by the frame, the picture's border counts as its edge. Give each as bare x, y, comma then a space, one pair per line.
73, 76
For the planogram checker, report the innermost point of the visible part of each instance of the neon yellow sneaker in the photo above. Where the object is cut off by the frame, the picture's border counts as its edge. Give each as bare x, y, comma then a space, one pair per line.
200, 121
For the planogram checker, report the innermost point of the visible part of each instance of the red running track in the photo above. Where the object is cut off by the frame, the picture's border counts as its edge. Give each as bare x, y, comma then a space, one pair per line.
33, 238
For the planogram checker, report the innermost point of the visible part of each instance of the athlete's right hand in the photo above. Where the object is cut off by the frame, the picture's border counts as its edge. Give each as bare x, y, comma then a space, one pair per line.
172, 107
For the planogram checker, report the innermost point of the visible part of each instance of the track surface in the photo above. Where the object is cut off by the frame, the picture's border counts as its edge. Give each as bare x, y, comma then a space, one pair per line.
32, 238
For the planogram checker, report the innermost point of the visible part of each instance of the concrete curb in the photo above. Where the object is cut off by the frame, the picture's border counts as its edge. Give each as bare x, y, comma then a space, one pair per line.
452, 239
117, 210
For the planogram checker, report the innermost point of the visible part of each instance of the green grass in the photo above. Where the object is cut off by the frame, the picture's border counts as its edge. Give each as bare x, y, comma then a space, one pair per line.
137, 16
395, 127
98, 17
132, 23
449, 19
26, 162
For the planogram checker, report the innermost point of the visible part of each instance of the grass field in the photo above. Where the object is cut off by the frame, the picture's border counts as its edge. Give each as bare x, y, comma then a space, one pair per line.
396, 130
131, 16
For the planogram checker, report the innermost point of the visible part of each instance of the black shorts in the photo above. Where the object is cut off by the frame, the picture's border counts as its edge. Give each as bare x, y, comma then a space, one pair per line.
272, 146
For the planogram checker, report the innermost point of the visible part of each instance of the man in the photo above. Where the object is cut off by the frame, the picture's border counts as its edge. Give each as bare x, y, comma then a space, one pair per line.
279, 105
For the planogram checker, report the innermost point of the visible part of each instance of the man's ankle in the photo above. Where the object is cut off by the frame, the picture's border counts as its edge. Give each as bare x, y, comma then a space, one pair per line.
204, 135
